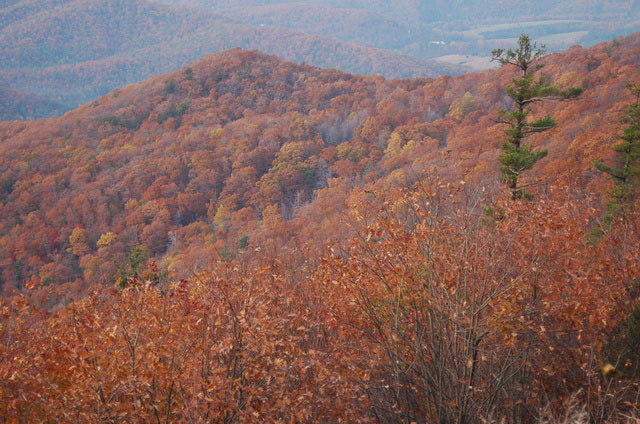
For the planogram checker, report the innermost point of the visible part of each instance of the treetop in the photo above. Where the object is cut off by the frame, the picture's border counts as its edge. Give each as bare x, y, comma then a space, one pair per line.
522, 57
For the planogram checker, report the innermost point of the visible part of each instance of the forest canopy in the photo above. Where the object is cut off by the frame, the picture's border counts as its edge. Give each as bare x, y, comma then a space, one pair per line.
252, 240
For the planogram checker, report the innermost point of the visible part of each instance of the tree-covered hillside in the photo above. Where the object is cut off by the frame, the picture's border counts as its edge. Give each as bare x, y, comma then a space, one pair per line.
26, 106
188, 164
253, 240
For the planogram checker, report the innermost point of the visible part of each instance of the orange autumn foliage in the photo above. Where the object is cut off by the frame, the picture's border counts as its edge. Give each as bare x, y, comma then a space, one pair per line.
425, 317
113, 167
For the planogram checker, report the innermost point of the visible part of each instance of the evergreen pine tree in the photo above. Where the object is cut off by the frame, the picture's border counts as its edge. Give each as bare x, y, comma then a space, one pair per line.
519, 156
626, 175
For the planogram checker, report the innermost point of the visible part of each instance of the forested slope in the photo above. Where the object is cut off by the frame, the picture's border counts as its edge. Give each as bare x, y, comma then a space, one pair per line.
26, 106
251, 240
185, 165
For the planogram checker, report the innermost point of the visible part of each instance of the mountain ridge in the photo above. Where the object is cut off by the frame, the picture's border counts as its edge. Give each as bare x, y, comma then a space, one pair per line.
46, 51
216, 150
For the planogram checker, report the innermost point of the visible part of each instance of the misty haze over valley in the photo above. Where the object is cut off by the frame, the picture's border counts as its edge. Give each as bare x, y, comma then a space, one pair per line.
59, 54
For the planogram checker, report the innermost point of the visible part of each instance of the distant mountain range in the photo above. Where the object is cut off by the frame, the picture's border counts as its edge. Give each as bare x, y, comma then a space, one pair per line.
438, 10
70, 52
416, 26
